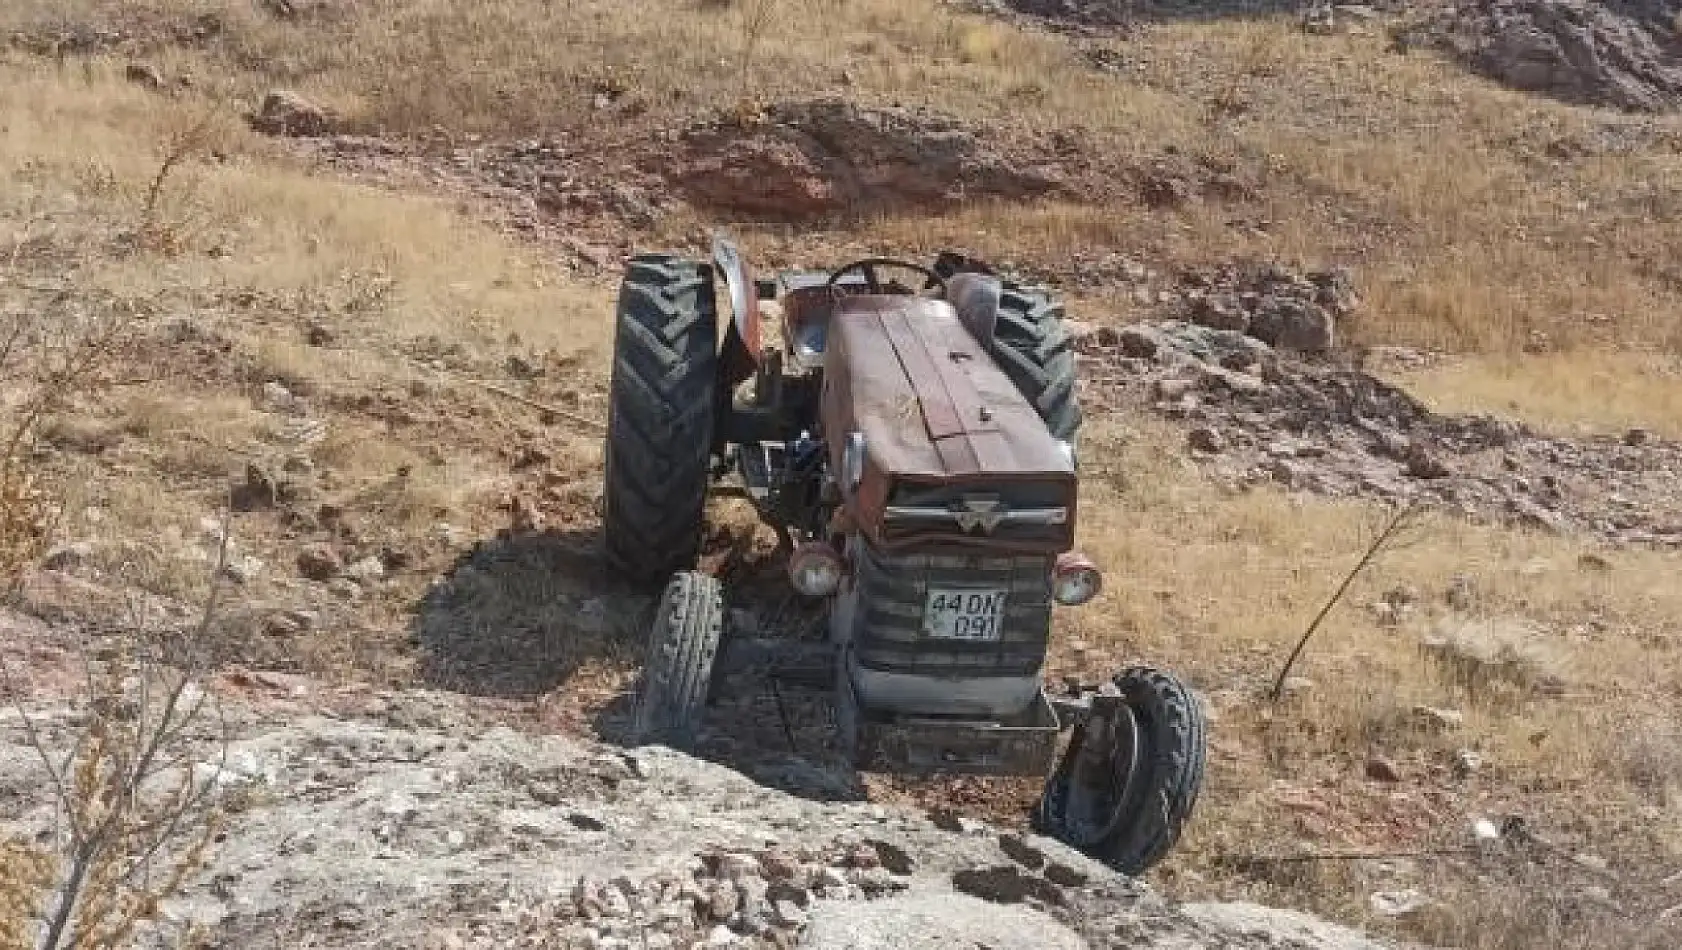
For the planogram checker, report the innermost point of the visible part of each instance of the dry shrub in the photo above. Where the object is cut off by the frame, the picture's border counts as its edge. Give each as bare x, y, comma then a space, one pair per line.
135, 809
25, 874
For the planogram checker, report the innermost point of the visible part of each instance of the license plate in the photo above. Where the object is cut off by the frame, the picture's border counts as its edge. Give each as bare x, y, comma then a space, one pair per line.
964, 614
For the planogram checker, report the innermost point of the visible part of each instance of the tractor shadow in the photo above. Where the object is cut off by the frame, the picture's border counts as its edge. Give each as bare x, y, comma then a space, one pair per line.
536, 616
774, 729
519, 615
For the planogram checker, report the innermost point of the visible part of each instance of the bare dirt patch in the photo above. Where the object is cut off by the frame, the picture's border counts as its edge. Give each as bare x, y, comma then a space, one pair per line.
803, 159
1258, 415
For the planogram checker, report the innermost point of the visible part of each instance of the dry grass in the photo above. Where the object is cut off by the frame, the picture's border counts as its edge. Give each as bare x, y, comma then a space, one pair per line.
1444, 193
1478, 218
1220, 586
414, 298
1575, 392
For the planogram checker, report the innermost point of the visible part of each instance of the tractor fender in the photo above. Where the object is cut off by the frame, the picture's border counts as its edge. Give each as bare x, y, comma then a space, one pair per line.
744, 299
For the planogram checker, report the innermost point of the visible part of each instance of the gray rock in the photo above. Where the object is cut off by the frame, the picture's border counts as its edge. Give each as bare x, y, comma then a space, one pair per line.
1140, 342
1533, 515
1286, 323
390, 828
242, 568
287, 113
366, 569
1207, 440
1626, 55
724, 902
68, 557
736, 866
1006, 884
935, 921
788, 914
1284, 928
1220, 312
829, 881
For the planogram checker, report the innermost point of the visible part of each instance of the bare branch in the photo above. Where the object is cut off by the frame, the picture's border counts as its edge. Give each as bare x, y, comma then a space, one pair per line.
32, 734
1401, 519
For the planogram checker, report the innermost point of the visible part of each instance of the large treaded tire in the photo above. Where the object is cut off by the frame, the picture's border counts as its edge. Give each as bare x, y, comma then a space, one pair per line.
682, 646
1035, 351
661, 408
1173, 736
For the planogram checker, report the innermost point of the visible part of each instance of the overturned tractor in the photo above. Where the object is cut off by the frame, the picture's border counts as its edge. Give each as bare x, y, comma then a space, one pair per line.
914, 447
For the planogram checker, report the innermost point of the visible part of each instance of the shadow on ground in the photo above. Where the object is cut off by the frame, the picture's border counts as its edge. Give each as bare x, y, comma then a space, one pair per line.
522, 616
775, 727
519, 615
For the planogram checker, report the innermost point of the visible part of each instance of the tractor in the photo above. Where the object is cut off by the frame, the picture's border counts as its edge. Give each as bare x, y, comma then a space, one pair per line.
913, 444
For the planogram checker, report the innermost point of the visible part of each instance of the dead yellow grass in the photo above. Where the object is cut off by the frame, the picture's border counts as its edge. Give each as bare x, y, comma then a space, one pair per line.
1427, 180
1220, 585
388, 266
417, 300
1467, 227
1566, 392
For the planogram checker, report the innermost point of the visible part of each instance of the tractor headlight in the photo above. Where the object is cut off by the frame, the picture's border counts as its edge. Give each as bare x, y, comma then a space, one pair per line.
1075, 580
815, 569
852, 462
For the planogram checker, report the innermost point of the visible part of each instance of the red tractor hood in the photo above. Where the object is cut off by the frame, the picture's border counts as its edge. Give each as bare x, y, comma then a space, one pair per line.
933, 407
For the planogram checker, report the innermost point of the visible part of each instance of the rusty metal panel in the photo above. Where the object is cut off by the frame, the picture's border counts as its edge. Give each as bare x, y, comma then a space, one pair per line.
962, 423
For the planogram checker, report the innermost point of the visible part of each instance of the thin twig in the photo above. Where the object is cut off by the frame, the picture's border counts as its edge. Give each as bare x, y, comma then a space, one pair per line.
1396, 523
573, 417
1254, 859
32, 735
179, 149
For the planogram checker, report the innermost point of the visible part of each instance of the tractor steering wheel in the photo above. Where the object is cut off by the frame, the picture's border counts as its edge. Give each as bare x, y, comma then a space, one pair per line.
868, 267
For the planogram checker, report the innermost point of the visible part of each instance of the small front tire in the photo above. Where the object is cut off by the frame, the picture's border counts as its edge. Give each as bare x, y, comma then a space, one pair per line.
1126, 786
682, 646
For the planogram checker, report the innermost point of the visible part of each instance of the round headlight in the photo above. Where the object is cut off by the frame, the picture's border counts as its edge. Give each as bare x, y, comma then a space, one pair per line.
1075, 580
814, 569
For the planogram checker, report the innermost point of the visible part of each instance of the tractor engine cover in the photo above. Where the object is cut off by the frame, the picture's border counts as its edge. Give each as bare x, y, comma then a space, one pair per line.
959, 500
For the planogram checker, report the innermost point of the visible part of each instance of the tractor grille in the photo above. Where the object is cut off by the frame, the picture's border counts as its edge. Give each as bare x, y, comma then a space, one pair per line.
1036, 514
894, 590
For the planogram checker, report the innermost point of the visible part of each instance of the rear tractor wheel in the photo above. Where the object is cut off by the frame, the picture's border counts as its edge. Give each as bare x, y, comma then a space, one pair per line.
661, 407
1034, 349
1130, 776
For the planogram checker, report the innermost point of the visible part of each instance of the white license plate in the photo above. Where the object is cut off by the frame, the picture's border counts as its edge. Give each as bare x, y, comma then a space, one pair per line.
957, 614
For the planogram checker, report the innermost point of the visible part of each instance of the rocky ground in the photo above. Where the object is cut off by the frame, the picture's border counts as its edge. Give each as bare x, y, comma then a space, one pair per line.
1626, 53
1327, 426
415, 500
1623, 54
420, 819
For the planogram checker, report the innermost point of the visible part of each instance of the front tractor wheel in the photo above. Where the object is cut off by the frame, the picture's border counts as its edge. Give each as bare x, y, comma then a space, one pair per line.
661, 408
1130, 776
682, 646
